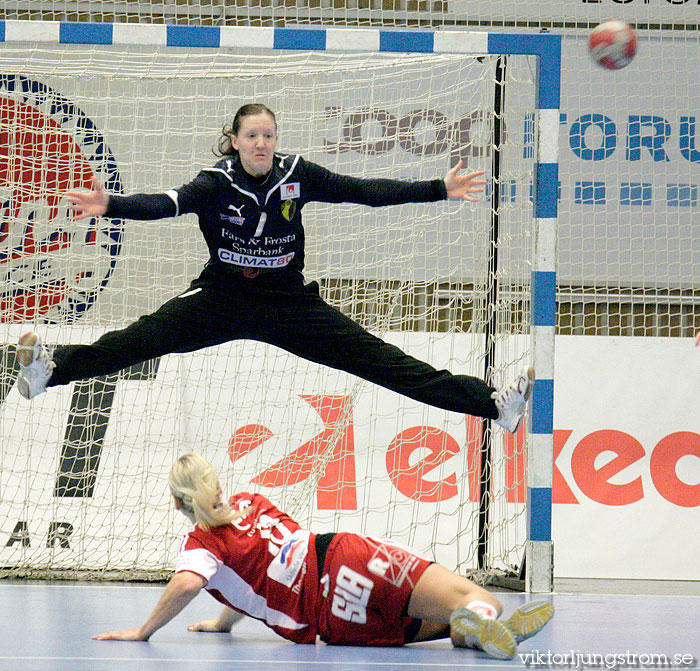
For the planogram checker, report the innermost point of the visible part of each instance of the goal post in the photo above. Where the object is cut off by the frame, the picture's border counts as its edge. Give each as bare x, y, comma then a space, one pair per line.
468, 287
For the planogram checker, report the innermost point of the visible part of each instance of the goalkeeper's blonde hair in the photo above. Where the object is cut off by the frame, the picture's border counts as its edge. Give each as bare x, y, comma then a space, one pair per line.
194, 483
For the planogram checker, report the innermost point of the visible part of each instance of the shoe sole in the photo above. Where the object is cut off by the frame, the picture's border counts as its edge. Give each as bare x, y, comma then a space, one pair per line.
526, 395
23, 387
494, 638
25, 356
529, 619
531, 381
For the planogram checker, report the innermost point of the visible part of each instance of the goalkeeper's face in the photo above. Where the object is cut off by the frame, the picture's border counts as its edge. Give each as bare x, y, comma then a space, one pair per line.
256, 141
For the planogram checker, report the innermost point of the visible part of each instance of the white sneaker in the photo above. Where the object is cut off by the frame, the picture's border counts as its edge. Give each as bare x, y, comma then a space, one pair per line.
35, 365
491, 636
530, 618
512, 401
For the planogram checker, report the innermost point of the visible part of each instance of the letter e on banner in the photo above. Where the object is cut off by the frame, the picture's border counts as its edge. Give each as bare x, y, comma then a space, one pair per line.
410, 480
595, 482
664, 466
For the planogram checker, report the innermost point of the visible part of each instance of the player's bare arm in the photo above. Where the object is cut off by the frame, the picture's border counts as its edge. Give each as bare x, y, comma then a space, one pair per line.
181, 589
227, 618
461, 186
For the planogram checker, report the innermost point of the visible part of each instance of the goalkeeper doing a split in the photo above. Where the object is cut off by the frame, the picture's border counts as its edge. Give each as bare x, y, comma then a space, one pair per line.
252, 287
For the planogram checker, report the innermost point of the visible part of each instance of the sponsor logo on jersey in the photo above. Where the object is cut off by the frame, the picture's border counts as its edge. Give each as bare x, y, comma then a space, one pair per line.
285, 567
378, 566
289, 208
351, 595
236, 259
51, 266
238, 221
280, 241
291, 190
287, 552
230, 235
392, 561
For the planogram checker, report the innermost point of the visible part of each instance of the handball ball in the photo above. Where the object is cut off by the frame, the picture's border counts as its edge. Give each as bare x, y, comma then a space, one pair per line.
613, 44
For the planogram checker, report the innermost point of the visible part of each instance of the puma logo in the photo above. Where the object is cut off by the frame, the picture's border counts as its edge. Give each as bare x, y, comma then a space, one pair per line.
237, 210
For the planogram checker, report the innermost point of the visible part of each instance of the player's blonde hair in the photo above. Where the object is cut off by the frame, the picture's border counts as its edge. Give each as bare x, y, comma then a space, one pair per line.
194, 483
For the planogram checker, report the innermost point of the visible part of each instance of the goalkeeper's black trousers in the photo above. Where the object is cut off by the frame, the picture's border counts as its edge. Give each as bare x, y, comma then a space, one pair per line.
295, 319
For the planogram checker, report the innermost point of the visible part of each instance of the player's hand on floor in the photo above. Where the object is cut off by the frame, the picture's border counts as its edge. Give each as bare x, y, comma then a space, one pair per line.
208, 625
123, 635
697, 339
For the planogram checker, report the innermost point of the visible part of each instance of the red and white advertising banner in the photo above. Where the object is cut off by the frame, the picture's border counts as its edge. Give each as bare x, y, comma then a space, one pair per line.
627, 458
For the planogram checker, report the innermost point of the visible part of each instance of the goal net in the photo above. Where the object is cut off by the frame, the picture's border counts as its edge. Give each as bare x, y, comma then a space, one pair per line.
83, 468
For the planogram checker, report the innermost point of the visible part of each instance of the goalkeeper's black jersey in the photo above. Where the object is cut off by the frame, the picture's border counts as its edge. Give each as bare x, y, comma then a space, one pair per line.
254, 228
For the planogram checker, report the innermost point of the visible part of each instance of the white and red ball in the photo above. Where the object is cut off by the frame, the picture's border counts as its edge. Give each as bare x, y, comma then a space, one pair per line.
613, 44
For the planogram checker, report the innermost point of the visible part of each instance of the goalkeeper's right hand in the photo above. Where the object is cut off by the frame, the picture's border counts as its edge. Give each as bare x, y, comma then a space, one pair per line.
88, 203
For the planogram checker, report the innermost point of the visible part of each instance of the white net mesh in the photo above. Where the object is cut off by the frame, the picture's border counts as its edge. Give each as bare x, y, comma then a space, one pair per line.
84, 467
676, 15
628, 256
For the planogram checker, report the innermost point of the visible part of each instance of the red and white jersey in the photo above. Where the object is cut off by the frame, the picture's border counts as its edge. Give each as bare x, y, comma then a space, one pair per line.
263, 565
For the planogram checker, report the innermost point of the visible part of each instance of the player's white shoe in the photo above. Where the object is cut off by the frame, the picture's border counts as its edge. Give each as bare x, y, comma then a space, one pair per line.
35, 366
491, 636
530, 618
512, 400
